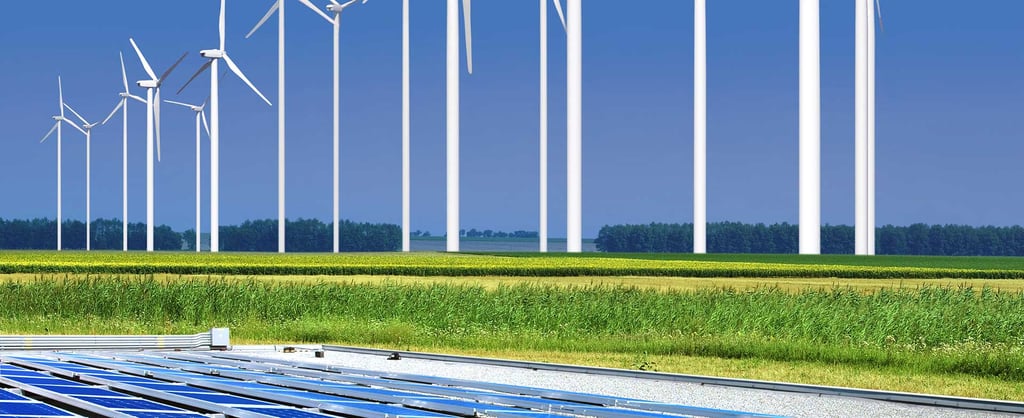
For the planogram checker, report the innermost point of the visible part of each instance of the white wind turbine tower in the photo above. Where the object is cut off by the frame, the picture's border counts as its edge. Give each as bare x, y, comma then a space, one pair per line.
200, 119
700, 127
85, 129
406, 132
152, 87
452, 125
810, 128
56, 127
865, 126
215, 55
574, 128
544, 118
123, 104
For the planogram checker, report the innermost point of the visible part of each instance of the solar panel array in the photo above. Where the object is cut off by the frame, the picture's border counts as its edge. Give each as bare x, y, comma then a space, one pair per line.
186, 385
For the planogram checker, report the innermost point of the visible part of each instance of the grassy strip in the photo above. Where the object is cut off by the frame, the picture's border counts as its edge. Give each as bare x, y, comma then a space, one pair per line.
433, 264
937, 330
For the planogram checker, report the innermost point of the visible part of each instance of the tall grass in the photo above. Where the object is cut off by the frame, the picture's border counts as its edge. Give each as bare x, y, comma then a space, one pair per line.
433, 264
934, 329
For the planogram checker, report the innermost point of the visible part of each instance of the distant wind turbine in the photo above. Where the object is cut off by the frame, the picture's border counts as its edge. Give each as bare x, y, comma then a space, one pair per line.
152, 87
452, 125
215, 55
406, 131
123, 104
56, 127
85, 129
544, 117
200, 119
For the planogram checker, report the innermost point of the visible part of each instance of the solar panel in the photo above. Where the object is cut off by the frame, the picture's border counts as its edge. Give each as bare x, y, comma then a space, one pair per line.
9, 396
126, 403
285, 413
31, 409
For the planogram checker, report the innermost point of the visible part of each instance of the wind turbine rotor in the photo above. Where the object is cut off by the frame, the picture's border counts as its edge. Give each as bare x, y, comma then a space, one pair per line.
313, 7
84, 122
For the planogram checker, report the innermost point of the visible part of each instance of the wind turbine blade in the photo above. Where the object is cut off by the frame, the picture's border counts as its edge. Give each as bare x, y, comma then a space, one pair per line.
201, 69
221, 24
54, 128
72, 124
265, 18
156, 121
84, 122
124, 74
561, 16
238, 72
878, 9
335, 2
113, 112
168, 72
205, 124
468, 20
203, 106
178, 103
141, 100
145, 64
60, 89
312, 7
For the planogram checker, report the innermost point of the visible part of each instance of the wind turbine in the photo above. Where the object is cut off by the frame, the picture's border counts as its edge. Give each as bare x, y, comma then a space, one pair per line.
406, 244
200, 118
574, 128
452, 125
123, 104
700, 127
810, 128
56, 127
865, 126
278, 7
85, 129
152, 87
215, 55
544, 117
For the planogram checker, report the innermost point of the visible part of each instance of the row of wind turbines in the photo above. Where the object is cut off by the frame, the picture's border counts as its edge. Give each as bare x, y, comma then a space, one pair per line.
571, 19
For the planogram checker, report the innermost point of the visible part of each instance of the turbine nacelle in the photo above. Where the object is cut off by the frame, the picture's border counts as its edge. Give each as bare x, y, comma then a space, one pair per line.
149, 84
337, 8
212, 53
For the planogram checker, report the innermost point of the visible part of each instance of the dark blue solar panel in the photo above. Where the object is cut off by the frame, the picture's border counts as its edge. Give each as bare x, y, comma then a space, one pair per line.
395, 410
285, 413
167, 387
79, 390
223, 399
144, 414
126, 403
128, 379
8, 371
38, 379
10, 396
30, 408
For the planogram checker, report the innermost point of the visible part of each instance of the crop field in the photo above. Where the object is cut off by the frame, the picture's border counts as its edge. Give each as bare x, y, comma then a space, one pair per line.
436, 264
941, 325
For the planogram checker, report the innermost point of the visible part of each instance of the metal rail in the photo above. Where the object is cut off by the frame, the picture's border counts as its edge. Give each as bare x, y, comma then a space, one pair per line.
216, 338
881, 395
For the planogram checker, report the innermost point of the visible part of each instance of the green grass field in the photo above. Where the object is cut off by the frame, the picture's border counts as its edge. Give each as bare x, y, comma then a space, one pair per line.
526, 265
942, 332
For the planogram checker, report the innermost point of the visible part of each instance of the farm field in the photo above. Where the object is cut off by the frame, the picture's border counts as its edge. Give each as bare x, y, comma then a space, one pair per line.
946, 333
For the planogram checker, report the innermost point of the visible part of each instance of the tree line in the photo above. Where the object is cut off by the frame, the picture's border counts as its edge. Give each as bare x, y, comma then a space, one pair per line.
302, 235
736, 237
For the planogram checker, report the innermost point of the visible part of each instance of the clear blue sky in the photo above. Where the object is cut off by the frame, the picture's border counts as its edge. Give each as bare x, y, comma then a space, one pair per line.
950, 135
